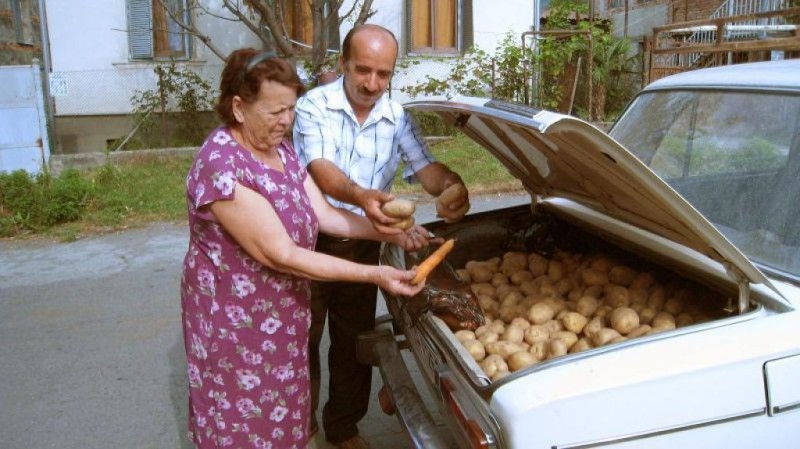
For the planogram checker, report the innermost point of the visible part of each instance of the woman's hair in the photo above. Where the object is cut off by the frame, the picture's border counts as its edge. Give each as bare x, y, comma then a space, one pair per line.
245, 70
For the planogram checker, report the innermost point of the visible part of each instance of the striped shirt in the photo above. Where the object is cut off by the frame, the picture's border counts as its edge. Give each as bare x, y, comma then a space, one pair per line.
369, 154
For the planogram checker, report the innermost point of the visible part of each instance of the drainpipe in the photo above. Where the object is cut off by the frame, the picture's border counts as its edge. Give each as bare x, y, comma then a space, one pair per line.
46, 69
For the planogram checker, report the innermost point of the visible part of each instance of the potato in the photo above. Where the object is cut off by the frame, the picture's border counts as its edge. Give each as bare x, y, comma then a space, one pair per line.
563, 287
624, 320
556, 303
500, 374
482, 288
507, 313
556, 348
463, 274
502, 290
555, 271
511, 299
553, 326
540, 349
587, 305
475, 349
569, 338
673, 306
581, 345
487, 303
513, 262
622, 275
593, 326
535, 333
574, 322
497, 327
540, 313
639, 331
638, 296
604, 336
502, 348
617, 296
512, 334
618, 339
399, 208
684, 319
492, 364
464, 335
520, 322
595, 291
601, 263
529, 287
480, 273
403, 224
520, 360
537, 264
663, 321
498, 279
575, 294
481, 330
489, 337
656, 299
603, 311
642, 281
520, 276
452, 193
646, 315
591, 277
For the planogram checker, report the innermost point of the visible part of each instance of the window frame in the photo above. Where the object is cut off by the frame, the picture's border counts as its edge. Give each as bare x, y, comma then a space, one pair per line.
461, 37
142, 41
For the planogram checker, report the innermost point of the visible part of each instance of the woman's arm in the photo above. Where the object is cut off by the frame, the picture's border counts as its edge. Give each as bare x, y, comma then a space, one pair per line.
255, 225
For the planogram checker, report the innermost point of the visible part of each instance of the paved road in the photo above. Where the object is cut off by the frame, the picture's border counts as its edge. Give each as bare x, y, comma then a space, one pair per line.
92, 354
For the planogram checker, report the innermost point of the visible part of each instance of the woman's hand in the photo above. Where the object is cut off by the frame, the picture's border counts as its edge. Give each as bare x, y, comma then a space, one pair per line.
415, 238
397, 282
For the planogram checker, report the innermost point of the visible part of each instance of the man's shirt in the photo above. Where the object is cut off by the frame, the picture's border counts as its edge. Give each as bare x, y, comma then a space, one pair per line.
369, 154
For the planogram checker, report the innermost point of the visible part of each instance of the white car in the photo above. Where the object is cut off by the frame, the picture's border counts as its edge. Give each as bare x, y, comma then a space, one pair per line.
695, 192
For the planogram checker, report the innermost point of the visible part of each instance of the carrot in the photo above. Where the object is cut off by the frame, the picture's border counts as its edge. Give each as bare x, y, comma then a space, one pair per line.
427, 265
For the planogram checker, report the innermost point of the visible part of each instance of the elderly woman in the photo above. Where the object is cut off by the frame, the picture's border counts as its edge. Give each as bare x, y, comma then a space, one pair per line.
254, 214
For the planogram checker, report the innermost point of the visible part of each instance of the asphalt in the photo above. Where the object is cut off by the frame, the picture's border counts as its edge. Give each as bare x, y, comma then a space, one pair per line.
92, 352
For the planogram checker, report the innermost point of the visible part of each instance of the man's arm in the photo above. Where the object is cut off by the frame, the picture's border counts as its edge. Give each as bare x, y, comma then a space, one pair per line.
335, 183
435, 179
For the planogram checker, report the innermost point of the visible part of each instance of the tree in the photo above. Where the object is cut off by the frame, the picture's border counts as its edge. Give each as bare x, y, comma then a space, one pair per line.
276, 21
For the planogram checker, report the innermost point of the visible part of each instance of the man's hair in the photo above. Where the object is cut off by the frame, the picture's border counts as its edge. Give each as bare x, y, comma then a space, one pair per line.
367, 26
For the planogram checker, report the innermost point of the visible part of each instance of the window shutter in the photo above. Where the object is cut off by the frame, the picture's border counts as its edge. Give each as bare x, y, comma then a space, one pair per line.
140, 29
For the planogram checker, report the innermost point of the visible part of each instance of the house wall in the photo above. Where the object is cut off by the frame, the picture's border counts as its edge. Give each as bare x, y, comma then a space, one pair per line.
96, 78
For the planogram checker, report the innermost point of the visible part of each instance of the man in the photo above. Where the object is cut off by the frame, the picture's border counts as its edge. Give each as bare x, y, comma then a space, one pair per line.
352, 137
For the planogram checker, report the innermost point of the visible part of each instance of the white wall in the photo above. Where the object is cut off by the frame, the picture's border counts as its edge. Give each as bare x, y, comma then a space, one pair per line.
493, 19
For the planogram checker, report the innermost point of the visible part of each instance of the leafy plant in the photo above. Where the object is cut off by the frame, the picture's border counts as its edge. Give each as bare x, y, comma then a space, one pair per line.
184, 97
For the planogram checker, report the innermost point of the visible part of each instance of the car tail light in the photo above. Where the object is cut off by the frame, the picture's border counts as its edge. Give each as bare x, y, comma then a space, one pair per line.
472, 429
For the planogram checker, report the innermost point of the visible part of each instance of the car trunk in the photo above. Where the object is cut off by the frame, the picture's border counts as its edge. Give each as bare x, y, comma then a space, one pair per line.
590, 198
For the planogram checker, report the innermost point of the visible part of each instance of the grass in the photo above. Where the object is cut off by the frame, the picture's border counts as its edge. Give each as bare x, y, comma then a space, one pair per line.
152, 188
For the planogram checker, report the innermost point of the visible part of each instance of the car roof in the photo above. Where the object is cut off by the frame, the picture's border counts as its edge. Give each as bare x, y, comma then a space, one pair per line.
782, 75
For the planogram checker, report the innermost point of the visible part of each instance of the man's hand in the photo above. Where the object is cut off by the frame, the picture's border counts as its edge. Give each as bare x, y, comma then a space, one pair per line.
415, 238
453, 203
371, 201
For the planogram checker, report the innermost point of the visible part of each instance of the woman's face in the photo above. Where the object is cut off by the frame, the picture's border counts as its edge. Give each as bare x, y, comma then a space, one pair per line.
265, 122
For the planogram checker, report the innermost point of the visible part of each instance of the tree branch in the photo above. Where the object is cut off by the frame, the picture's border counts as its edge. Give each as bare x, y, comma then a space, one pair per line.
234, 9
267, 14
192, 30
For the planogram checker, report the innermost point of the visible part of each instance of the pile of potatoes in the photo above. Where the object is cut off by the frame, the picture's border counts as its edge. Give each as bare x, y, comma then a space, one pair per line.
538, 308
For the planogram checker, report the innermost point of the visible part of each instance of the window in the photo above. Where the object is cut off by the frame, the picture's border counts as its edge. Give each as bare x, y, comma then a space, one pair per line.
152, 31
436, 26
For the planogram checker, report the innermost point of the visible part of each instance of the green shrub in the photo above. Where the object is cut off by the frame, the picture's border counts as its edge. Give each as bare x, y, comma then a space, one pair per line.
432, 124
66, 198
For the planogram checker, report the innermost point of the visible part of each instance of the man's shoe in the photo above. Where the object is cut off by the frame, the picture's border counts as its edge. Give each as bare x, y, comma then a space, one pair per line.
355, 442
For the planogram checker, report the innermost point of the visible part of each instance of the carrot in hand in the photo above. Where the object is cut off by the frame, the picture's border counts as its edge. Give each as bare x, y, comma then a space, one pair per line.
427, 265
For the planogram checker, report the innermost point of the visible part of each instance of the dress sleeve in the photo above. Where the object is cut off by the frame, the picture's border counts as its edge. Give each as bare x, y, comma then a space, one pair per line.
213, 174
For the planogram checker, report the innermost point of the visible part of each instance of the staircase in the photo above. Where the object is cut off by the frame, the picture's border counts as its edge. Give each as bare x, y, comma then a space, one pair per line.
738, 31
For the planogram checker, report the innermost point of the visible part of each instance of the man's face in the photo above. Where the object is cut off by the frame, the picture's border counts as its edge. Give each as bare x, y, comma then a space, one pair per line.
368, 72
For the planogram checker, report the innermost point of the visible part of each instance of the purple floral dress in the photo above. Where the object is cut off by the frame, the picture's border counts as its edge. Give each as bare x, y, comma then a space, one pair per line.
245, 326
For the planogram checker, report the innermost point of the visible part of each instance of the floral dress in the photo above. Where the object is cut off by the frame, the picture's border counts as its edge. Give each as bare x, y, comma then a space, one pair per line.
245, 326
